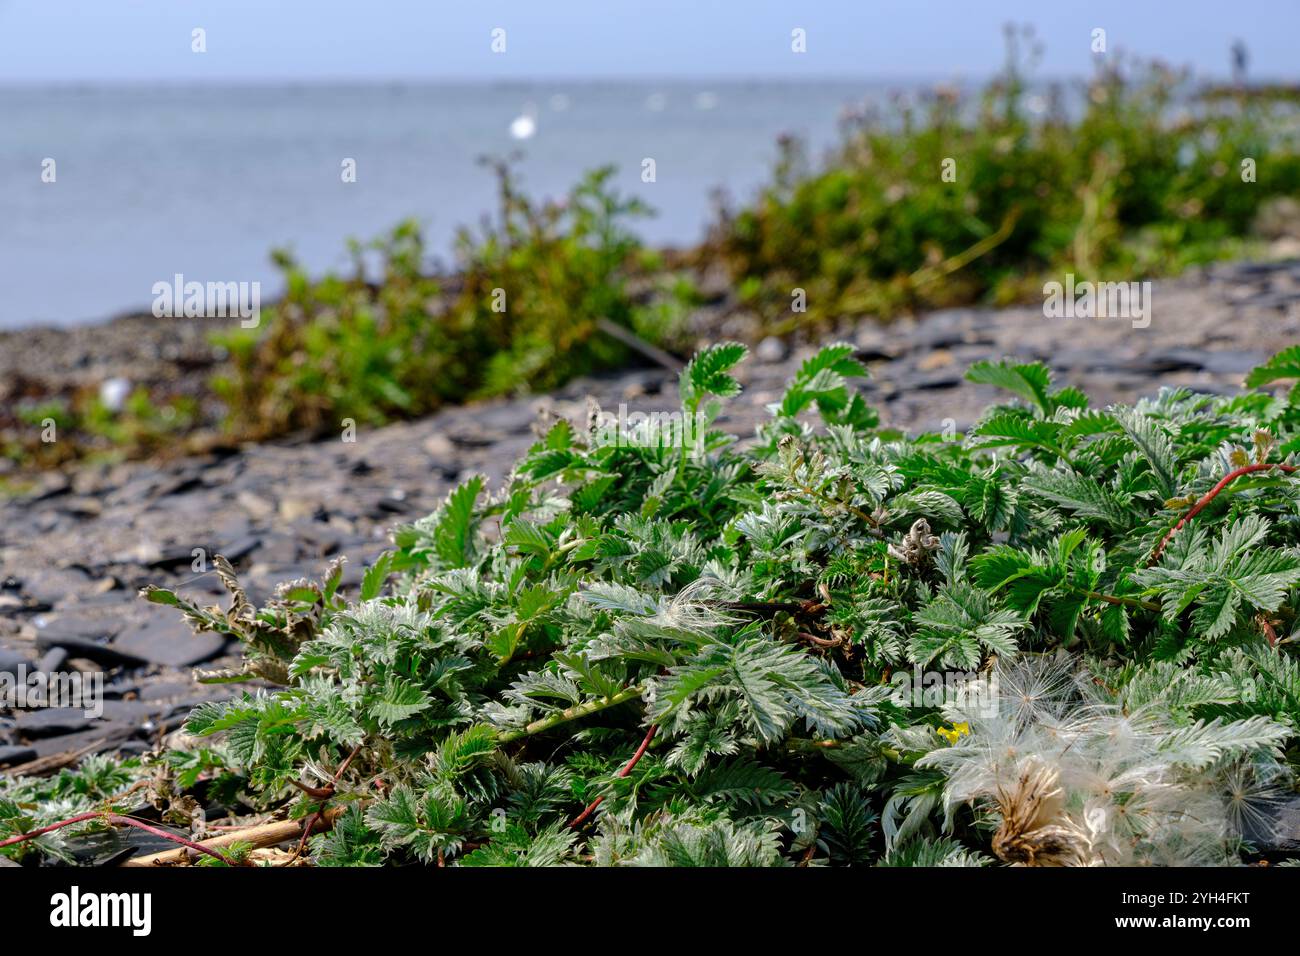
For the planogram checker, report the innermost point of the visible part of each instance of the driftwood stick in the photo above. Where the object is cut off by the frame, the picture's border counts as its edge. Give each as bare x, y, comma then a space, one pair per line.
633, 341
262, 835
52, 762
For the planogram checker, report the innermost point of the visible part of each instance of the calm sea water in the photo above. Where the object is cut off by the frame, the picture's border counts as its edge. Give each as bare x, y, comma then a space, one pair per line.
205, 181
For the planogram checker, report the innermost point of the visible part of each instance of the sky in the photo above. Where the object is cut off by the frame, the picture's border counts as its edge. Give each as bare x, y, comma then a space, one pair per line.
44, 41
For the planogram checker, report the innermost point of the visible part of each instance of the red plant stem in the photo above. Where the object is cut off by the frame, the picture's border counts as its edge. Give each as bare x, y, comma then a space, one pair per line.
343, 767
819, 641
325, 793
1209, 496
306, 832
199, 847
627, 769
23, 837
115, 818
316, 793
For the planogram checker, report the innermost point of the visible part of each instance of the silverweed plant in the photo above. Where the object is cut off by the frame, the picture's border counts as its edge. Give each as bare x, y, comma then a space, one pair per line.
662, 655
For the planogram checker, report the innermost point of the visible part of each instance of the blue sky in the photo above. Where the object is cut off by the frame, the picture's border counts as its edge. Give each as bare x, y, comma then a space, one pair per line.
117, 40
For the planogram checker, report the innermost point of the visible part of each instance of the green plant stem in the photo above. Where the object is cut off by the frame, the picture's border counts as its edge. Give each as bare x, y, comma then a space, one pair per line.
803, 745
573, 713
1120, 601
873, 526
929, 274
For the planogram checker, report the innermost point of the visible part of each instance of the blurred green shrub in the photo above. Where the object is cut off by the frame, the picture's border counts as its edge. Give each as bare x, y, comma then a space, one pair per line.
63, 428
522, 312
1141, 179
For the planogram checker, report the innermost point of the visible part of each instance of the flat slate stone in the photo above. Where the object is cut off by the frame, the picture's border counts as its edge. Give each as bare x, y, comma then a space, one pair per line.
52, 660
105, 737
49, 586
12, 756
11, 660
88, 626
102, 654
1163, 361
933, 380
52, 722
167, 690
173, 555
166, 639
137, 712
1232, 362
238, 548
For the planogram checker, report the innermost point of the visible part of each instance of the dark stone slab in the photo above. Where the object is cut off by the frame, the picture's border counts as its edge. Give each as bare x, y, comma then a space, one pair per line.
167, 690
12, 756
238, 548
92, 627
52, 660
176, 555
91, 650
137, 712
1082, 358
104, 737
52, 722
1163, 361
10, 661
1232, 362
49, 586
932, 380
166, 639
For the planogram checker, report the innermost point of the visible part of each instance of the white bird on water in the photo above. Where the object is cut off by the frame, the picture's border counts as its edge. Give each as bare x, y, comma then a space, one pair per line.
524, 125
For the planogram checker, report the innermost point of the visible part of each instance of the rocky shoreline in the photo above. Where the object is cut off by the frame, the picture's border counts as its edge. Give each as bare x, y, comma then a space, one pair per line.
74, 551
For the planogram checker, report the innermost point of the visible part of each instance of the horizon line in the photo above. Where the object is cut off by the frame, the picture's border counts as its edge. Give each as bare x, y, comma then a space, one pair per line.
322, 80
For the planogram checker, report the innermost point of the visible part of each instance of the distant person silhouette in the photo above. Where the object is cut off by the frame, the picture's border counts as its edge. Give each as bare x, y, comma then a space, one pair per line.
1240, 57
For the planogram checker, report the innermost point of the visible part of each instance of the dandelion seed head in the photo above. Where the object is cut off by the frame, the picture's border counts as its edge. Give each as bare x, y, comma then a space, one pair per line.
1073, 780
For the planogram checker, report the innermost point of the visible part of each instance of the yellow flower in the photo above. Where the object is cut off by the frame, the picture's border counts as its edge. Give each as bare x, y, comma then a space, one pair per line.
953, 735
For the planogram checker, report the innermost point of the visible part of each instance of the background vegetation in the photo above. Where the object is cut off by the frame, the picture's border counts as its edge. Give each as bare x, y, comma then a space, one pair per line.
1134, 177
522, 312
1131, 176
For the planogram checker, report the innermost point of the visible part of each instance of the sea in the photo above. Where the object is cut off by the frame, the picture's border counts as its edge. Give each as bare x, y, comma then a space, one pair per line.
107, 190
